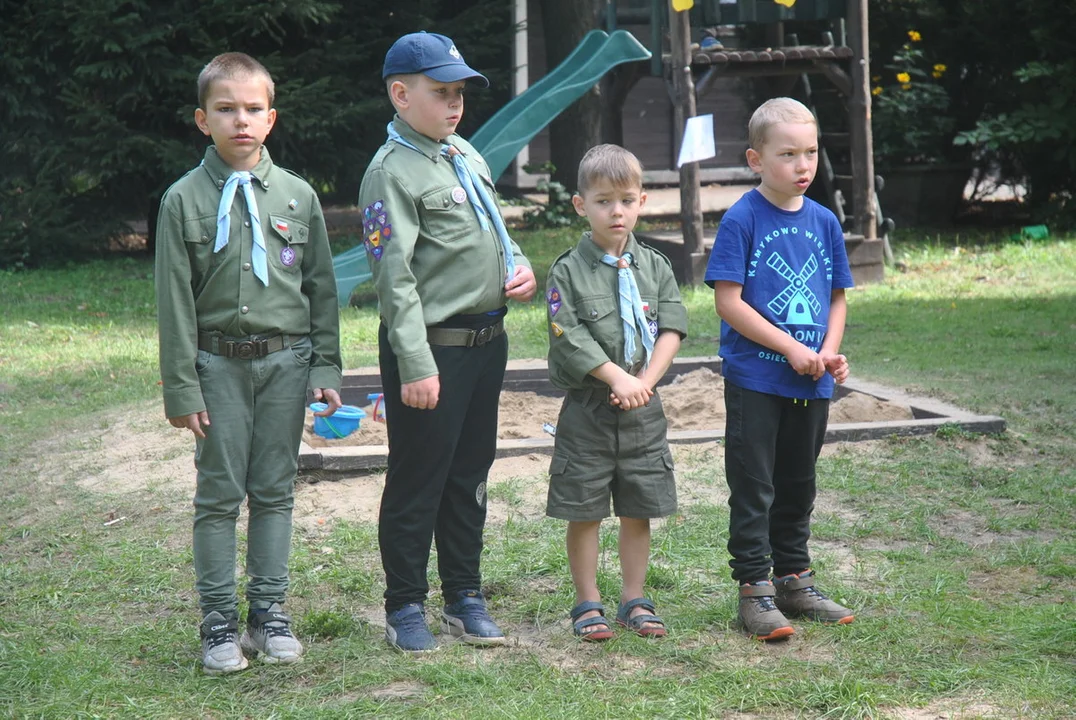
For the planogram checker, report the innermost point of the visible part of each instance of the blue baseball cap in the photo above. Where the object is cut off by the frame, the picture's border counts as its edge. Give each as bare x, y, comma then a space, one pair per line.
433, 55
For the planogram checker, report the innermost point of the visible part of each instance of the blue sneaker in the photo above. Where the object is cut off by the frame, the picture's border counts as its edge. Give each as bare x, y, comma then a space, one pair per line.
467, 620
406, 630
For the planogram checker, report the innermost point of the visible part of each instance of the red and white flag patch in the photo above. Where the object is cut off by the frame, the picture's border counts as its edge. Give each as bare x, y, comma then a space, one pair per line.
281, 225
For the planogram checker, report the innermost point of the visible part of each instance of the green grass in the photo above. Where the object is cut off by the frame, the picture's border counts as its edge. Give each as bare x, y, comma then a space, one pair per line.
955, 549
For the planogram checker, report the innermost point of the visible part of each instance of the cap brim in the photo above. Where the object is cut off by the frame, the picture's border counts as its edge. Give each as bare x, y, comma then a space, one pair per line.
455, 73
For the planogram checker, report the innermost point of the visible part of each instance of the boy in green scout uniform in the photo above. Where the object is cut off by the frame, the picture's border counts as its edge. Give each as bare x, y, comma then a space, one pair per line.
246, 304
443, 266
615, 325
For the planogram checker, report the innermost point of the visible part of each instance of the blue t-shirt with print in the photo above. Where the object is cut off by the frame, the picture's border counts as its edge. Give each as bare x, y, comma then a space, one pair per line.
788, 263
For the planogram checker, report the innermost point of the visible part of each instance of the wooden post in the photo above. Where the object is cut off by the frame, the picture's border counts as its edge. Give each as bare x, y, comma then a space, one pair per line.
684, 107
859, 109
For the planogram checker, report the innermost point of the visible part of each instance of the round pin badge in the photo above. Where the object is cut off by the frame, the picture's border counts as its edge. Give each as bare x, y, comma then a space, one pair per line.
287, 257
459, 195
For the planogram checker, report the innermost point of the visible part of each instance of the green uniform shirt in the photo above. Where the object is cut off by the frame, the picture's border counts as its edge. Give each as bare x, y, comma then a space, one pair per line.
585, 328
435, 261
200, 290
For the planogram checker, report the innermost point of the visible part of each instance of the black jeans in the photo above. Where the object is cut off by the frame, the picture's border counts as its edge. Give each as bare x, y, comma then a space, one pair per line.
771, 445
435, 488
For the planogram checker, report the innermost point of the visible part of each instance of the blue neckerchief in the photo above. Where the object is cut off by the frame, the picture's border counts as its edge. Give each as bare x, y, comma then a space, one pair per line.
257, 252
631, 307
483, 203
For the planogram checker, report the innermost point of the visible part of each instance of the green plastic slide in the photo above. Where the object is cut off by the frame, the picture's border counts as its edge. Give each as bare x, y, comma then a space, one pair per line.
507, 132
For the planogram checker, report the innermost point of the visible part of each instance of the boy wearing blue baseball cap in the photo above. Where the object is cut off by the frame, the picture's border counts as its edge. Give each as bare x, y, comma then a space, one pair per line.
444, 268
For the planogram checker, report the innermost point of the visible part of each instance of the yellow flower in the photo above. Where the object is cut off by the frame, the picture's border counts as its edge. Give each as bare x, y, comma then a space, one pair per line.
906, 86
939, 68
937, 75
914, 36
876, 91
904, 78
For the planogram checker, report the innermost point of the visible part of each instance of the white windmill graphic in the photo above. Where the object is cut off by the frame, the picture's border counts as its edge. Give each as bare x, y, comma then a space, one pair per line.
797, 299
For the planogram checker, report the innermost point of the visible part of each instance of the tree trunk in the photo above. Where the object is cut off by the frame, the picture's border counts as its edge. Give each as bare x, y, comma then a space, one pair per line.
578, 128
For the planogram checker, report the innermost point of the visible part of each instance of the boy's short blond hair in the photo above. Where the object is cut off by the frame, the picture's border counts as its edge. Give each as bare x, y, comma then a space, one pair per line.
772, 112
232, 66
610, 162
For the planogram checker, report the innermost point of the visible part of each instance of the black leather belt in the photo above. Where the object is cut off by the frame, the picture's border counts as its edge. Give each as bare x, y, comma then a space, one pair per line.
462, 337
243, 348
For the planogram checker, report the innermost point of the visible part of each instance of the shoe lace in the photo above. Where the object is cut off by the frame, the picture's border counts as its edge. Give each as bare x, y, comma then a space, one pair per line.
765, 603
277, 628
815, 593
221, 637
416, 622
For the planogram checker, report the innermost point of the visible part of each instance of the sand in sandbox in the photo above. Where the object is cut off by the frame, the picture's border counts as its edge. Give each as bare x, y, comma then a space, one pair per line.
693, 401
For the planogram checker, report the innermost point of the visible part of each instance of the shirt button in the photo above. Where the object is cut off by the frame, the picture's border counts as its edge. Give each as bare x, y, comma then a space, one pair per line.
220, 183
247, 223
594, 313
244, 309
205, 238
246, 266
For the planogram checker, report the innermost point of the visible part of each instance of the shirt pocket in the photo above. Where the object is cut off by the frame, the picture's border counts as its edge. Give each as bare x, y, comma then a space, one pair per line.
286, 242
199, 237
444, 219
601, 317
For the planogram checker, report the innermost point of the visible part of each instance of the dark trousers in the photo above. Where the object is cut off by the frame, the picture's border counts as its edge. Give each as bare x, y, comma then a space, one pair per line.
435, 488
771, 445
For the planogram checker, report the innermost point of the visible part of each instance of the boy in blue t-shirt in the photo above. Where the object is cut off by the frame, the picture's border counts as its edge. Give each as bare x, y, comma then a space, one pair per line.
779, 271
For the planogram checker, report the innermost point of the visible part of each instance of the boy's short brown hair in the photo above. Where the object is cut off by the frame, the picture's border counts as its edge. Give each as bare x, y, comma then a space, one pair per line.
229, 66
772, 112
611, 162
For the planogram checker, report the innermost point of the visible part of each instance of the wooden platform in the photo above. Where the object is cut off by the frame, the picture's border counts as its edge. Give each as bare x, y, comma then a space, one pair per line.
865, 257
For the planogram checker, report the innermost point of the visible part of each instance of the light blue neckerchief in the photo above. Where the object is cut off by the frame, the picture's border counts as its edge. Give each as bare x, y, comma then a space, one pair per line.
484, 205
631, 307
257, 252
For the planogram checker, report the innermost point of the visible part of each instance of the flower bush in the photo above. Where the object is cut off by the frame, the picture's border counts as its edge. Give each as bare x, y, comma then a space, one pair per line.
911, 122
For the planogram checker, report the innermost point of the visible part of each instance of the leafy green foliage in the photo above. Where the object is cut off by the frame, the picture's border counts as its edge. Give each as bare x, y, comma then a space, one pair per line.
96, 110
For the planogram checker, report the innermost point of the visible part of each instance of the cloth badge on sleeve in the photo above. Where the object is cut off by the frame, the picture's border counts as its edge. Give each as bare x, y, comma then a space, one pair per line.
375, 220
553, 298
557, 329
287, 257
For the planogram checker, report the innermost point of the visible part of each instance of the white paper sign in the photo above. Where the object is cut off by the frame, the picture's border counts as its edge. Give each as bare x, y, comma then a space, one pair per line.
698, 141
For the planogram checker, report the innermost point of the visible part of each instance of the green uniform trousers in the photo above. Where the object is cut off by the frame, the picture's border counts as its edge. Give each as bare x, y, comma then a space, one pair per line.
256, 412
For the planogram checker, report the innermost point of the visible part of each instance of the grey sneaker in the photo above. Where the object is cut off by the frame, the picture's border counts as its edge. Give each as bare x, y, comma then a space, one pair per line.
269, 633
758, 614
797, 596
220, 645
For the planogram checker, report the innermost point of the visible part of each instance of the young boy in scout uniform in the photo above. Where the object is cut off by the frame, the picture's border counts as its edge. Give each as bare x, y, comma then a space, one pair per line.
246, 305
779, 271
615, 325
443, 266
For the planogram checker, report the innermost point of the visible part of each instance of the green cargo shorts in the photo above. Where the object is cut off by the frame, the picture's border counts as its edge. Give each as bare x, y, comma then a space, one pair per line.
602, 452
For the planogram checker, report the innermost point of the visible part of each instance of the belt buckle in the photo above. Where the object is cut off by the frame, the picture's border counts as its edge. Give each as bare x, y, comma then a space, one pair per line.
245, 349
483, 336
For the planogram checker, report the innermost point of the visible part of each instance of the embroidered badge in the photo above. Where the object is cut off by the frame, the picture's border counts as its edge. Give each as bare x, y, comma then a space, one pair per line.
280, 225
653, 326
287, 257
557, 329
454, 52
553, 298
459, 195
375, 220
646, 306
480, 494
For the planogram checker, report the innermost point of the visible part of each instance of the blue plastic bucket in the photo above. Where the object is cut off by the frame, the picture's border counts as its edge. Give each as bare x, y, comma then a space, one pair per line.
340, 424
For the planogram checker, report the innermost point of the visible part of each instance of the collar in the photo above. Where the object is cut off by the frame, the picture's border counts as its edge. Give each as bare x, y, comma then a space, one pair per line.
594, 254
219, 171
427, 146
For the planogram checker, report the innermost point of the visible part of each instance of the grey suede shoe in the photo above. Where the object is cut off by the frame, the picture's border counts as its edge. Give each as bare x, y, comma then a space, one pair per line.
758, 614
797, 596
